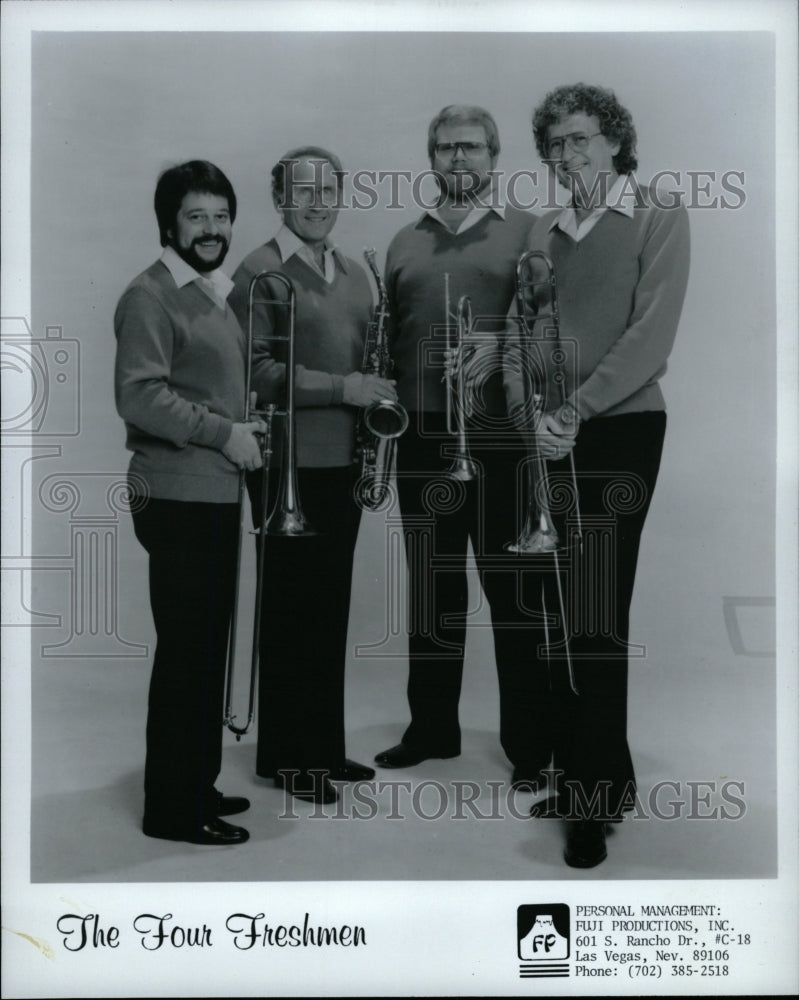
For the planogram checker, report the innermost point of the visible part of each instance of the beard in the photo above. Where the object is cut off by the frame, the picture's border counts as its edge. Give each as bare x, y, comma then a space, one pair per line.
193, 259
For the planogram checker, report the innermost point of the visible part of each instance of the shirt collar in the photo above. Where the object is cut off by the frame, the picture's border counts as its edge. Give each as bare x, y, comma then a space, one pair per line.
493, 202
621, 198
184, 274
289, 244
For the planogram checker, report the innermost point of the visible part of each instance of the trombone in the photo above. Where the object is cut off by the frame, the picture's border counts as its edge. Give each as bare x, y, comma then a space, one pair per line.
286, 518
463, 466
539, 534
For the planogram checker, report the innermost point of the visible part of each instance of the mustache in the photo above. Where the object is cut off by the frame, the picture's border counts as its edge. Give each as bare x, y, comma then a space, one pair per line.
199, 240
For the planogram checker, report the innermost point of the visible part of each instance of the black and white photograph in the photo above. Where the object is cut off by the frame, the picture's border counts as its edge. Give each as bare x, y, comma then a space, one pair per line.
399, 499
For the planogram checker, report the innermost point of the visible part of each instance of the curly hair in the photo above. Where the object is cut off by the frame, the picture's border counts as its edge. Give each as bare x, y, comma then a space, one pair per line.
615, 121
176, 182
464, 114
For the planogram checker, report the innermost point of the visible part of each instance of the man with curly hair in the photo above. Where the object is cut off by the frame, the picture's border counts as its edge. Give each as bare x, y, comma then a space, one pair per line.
621, 266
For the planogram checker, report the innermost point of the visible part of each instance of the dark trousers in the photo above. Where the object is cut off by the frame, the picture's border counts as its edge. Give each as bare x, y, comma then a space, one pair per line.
440, 516
192, 567
617, 461
305, 614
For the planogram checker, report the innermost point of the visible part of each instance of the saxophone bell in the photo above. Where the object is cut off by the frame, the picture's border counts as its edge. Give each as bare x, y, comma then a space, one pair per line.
386, 419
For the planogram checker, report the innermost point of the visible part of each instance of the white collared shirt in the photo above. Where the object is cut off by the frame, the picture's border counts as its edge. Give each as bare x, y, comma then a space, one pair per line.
216, 284
621, 198
475, 214
289, 244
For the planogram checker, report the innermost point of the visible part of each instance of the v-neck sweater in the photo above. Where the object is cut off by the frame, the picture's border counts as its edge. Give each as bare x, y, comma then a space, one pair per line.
620, 294
330, 328
179, 383
481, 263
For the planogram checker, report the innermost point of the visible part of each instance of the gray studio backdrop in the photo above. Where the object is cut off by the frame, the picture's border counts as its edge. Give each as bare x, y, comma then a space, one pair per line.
111, 110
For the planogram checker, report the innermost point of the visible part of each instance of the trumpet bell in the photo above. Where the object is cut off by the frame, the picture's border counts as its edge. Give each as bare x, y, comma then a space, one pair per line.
463, 469
534, 543
288, 523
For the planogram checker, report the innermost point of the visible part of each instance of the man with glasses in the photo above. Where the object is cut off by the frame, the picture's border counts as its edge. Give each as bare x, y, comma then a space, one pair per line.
621, 266
474, 239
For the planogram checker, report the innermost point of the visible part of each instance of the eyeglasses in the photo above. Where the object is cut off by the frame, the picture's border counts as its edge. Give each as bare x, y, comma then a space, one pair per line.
467, 148
577, 140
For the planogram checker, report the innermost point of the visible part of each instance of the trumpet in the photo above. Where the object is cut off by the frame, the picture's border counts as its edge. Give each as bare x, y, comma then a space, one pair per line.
382, 422
286, 518
539, 534
463, 467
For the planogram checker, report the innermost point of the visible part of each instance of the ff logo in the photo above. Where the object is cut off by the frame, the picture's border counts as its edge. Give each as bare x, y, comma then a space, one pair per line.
543, 938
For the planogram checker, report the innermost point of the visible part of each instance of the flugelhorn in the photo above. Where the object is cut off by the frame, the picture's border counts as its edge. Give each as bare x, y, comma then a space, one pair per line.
382, 422
539, 324
286, 518
463, 467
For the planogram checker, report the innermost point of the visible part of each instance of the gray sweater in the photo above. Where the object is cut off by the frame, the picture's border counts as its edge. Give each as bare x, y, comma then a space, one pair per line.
179, 382
330, 329
620, 295
481, 263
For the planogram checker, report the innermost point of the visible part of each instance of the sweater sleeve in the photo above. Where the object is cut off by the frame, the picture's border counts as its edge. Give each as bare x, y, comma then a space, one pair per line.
311, 388
144, 398
642, 349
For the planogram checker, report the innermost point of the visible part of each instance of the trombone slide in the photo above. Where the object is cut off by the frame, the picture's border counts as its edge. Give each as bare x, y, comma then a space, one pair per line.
286, 518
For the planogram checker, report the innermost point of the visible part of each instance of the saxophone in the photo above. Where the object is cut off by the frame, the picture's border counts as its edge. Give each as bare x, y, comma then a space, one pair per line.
382, 422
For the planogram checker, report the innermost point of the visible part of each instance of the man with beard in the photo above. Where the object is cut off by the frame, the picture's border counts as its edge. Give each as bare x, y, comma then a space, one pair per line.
621, 264
476, 240
306, 601
180, 384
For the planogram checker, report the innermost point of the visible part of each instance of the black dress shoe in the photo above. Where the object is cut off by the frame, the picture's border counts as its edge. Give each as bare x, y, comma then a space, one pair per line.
351, 770
229, 805
215, 832
311, 786
404, 756
585, 843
